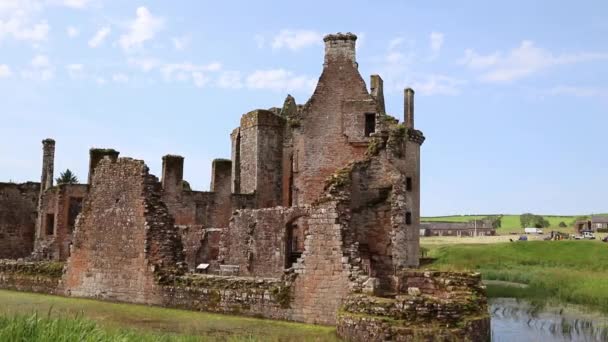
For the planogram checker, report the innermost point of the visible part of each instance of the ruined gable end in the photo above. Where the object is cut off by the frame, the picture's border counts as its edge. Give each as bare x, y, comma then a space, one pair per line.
125, 239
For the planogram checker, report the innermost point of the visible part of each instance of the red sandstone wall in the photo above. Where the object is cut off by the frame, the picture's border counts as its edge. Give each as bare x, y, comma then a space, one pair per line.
332, 130
323, 273
18, 204
255, 240
124, 235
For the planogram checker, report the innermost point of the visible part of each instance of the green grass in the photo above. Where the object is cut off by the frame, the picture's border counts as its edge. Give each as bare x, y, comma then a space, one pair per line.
510, 223
567, 271
160, 323
36, 328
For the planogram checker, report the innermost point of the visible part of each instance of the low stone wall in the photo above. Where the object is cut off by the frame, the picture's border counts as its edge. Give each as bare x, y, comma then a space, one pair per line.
245, 296
39, 277
429, 306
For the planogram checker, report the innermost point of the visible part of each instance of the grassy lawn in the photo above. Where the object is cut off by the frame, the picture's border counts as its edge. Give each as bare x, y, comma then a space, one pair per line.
153, 323
567, 271
510, 223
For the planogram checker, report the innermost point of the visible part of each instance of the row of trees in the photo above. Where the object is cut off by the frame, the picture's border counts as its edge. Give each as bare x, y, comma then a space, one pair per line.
531, 220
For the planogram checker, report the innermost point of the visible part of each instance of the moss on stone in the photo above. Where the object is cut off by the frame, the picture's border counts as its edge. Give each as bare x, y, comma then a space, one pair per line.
282, 295
49, 269
374, 147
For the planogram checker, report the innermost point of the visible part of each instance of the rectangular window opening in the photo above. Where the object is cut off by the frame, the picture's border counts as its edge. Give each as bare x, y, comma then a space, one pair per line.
370, 124
50, 224
75, 207
408, 184
408, 218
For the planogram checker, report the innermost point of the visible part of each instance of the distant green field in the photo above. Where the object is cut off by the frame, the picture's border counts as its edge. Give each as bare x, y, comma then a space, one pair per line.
510, 223
566, 271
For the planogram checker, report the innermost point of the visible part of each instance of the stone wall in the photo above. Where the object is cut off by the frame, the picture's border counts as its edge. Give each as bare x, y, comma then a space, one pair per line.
246, 296
18, 204
39, 277
324, 270
430, 306
260, 156
331, 133
125, 238
256, 240
201, 245
58, 210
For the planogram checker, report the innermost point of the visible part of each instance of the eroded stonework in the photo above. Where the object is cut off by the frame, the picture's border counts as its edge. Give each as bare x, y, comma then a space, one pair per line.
314, 218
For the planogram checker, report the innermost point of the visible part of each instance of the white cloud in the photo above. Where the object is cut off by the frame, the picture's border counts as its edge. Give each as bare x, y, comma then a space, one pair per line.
18, 21
521, 62
76, 3
279, 80
199, 79
40, 69
75, 70
437, 85
579, 91
296, 39
72, 32
99, 37
143, 28
120, 78
101, 81
40, 61
180, 43
146, 64
5, 71
436, 41
476, 61
188, 71
230, 80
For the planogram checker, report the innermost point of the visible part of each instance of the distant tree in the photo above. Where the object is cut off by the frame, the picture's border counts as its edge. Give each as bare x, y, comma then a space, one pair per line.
496, 220
525, 219
67, 177
563, 224
531, 220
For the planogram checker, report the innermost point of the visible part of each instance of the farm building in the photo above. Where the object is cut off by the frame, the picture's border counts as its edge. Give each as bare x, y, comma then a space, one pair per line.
471, 228
594, 224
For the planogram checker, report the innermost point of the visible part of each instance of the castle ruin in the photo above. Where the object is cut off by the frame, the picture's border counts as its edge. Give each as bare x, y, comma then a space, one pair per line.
315, 218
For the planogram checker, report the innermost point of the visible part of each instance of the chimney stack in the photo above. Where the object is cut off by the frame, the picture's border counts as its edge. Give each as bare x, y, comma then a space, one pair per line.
48, 164
173, 173
377, 92
408, 104
340, 47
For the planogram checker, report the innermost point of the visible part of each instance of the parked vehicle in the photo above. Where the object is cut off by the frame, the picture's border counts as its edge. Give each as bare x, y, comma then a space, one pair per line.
605, 239
585, 235
533, 231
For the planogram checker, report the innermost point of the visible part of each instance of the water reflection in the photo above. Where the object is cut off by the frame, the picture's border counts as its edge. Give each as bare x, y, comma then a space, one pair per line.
522, 321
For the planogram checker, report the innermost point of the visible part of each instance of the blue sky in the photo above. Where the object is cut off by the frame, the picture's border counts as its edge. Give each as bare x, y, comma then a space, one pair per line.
512, 96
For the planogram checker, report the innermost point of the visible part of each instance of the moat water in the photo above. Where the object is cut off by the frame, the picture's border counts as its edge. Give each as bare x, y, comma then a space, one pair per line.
521, 321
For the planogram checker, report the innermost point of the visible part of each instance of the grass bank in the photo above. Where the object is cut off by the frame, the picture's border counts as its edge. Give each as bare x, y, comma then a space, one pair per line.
567, 271
36, 328
152, 323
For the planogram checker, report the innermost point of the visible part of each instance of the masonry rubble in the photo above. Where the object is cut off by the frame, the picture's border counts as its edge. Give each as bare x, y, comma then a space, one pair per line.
314, 218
